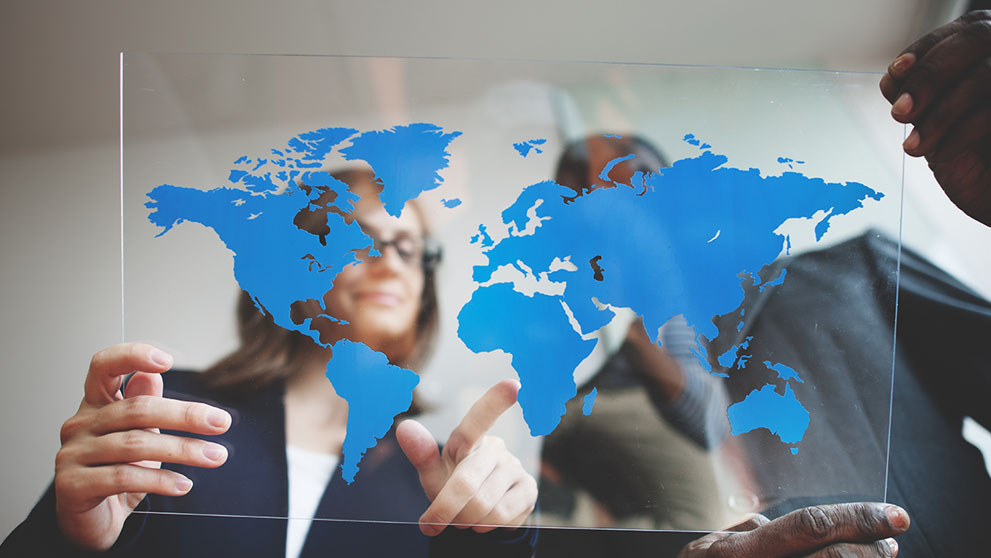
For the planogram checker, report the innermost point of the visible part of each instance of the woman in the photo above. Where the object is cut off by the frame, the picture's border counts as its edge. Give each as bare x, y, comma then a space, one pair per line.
271, 405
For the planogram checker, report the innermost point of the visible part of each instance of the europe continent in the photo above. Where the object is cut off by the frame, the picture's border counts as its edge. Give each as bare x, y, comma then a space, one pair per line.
675, 241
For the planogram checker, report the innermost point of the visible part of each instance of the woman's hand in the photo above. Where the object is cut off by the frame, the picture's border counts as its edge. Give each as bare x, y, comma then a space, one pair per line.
112, 450
941, 84
860, 530
474, 482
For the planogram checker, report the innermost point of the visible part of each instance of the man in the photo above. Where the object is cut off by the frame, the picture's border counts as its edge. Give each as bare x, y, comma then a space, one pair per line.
941, 85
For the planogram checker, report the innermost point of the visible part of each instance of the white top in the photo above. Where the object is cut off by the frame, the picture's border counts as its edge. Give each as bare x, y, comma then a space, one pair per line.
309, 473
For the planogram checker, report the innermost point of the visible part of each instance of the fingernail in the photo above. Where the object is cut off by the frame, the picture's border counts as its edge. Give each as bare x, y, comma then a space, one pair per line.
183, 484
218, 418
161, 358
902, 63
902, 106
912, 141
214, 452
894, 547
897, 517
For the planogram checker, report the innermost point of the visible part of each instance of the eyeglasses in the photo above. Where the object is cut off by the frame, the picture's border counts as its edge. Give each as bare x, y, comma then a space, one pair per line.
412, 251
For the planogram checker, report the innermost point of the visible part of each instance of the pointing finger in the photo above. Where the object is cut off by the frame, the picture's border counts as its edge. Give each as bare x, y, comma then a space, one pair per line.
480, 418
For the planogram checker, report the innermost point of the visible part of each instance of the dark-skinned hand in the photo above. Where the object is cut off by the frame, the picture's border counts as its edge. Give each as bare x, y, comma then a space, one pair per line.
860, 530
941, 84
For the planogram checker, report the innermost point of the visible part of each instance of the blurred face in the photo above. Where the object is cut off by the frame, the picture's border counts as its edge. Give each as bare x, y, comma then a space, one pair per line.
600, 151
380, 296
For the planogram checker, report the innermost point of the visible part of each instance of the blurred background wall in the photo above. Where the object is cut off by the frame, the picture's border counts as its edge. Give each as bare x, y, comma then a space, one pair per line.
59, 151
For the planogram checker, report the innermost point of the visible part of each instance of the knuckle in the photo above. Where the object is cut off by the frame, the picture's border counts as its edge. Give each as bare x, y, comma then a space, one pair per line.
66, 483
134, 351
121, 476
975, 15
501, 514
923, 74
140, 408
61, 457
190, 449
433, 517
193, 414
133, 442
817, 522
100, 358
506, 461
485, 504
70, 429
868, 518
458, 444
532, 488
977, 30
464, 483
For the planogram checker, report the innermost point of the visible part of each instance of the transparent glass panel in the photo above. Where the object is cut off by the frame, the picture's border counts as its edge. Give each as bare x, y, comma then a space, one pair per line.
691, 271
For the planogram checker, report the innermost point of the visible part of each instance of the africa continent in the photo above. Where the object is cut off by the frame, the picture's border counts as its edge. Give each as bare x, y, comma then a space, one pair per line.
676, 241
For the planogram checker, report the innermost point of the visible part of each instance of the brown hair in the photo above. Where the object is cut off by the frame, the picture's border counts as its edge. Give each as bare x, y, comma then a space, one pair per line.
270, 353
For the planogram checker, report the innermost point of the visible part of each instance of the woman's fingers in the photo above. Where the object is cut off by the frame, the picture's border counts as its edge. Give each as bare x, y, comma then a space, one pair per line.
143, 383
112, 449
108, 367
488, 489
147, 411
424, 454
493, 488
88, 486
459, 489
480, 418
513, 508
140, 445
475, 479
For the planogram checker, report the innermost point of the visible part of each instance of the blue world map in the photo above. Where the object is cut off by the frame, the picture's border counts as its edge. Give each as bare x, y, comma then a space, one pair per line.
678, 241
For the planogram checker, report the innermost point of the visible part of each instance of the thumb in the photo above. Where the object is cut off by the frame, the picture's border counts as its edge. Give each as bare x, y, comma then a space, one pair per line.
143, 383
423, 453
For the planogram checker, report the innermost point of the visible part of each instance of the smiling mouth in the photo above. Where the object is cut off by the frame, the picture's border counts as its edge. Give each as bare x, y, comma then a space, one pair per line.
379, 298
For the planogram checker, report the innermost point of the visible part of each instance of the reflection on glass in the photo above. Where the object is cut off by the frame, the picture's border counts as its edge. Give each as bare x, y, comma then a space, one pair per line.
652, 251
